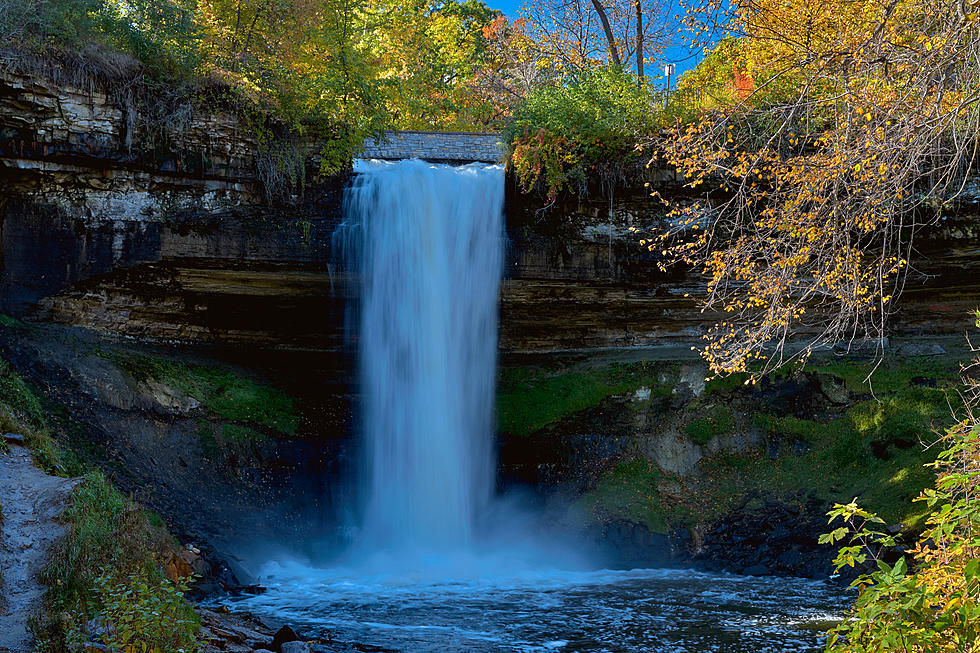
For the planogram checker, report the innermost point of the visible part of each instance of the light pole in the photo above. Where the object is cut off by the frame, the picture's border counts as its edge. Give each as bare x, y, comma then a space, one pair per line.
668, 71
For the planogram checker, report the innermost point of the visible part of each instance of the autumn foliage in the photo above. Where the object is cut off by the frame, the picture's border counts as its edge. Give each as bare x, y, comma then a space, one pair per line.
860, 122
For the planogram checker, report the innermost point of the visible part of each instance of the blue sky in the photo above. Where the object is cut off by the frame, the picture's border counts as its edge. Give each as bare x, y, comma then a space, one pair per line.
679, 55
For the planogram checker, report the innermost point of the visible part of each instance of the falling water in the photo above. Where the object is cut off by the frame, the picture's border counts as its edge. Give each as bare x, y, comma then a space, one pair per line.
424, 243
429, 261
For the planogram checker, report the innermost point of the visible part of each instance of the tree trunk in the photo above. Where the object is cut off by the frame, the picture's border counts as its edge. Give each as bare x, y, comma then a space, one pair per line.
639, 42
613, 51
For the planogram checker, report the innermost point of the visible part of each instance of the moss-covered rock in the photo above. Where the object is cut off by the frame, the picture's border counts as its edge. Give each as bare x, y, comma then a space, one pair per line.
821, 432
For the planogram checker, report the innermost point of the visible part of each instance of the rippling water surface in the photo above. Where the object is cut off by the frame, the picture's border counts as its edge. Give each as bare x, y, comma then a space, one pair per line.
616, 611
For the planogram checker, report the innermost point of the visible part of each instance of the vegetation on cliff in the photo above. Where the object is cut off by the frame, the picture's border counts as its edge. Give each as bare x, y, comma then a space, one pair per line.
109, 568
330, 71
928, 599
817, 433
531, 399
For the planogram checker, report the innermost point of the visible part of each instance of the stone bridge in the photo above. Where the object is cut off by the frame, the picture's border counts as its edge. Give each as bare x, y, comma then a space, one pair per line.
440, 147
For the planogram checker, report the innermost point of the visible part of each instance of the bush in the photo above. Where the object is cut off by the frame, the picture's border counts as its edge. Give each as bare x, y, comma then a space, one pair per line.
142, 612
565, 137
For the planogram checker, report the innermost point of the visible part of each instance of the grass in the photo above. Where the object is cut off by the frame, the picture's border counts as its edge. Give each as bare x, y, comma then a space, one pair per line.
18, 397
110, 539
224, 394
529, 400
718, 421
109, 561
628, 491
21, 412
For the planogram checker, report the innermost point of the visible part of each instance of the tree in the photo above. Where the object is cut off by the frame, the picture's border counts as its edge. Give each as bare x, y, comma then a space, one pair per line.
512, 70
861, 124
583, 134
428, 56
573, 34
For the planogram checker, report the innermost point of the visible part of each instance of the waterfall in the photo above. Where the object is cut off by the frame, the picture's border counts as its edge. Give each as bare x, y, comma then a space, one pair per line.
425, 242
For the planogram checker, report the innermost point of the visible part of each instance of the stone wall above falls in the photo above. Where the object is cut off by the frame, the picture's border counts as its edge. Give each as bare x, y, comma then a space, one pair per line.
451, 147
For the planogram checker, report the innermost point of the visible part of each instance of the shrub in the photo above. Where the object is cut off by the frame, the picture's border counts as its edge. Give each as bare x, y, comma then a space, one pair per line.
108, 566
586, 130
141, 612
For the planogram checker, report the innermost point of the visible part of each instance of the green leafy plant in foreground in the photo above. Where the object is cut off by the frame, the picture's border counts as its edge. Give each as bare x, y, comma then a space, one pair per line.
108, 568
141, 613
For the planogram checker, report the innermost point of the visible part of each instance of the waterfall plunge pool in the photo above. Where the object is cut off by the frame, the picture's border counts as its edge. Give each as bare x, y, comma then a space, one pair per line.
468, 606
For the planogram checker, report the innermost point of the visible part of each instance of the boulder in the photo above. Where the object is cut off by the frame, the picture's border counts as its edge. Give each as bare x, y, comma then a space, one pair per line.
833, 389
756, 570
13, 438
170, 399
296, 647
185, 563
283, 636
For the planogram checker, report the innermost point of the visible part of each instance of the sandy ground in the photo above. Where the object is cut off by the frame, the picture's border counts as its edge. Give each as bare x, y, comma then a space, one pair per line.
30, 500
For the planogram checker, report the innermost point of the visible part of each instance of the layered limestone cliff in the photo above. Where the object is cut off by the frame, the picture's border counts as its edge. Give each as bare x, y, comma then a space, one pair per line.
160, 227
173, 239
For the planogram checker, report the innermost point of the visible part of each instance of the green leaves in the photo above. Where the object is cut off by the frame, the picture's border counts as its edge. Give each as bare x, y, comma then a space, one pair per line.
934, 606
586, 129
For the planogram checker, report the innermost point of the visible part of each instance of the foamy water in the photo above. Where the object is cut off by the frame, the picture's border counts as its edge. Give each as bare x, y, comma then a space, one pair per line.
454, 607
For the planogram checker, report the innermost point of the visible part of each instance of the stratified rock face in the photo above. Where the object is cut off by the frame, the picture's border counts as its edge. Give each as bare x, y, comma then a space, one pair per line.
579, 277
159, 227
101, 228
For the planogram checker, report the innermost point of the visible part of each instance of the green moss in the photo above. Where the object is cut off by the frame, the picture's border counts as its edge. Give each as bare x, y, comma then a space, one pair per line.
628, 491
891, 375
9, 322
725, 384
791, 427
529, 400
229, 443
718, 421
223, 393
875, 451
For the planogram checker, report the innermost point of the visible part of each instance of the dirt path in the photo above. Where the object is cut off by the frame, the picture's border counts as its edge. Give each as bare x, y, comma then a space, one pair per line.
30, 500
